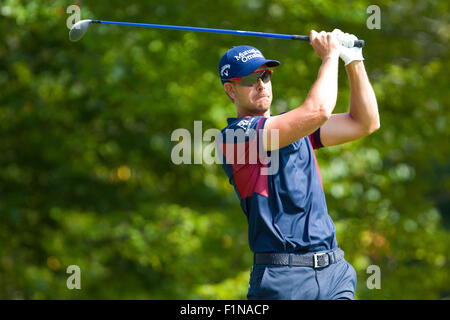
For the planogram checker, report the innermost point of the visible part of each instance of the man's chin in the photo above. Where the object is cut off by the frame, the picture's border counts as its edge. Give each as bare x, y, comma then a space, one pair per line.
263, 104
259, 108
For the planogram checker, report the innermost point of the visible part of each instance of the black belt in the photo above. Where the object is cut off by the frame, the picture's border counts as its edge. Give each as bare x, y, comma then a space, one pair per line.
314, 260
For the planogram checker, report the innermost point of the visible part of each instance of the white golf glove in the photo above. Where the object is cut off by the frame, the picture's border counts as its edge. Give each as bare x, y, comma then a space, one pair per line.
347, 51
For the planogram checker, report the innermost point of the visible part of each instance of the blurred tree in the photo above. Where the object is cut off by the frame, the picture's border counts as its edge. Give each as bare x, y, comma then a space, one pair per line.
86, 177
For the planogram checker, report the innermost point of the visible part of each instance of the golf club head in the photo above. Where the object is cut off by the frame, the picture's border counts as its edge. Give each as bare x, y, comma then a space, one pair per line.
78, 30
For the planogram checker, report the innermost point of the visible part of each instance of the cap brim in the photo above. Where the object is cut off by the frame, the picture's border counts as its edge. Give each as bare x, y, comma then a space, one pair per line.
256, 64
249, 68
272, 63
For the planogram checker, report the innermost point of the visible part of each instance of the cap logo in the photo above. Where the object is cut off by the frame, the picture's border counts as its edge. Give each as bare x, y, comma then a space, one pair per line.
247, 55
224, 70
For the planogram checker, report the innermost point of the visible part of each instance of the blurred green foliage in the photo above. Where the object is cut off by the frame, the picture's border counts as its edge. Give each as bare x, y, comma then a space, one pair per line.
86, 177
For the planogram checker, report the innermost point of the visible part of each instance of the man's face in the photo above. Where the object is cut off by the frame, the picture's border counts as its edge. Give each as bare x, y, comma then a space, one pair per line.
254, 100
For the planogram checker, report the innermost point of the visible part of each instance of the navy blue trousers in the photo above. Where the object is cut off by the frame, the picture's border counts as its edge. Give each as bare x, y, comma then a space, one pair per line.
336, 281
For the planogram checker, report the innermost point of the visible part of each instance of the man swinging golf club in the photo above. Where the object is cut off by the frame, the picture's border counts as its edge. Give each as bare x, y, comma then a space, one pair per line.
296, 255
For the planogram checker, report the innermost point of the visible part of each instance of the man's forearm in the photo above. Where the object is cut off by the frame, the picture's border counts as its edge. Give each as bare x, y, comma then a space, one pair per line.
363, 102
323, 94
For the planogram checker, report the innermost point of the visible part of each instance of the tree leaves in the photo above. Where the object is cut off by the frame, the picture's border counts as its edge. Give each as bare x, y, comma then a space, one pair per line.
86, 177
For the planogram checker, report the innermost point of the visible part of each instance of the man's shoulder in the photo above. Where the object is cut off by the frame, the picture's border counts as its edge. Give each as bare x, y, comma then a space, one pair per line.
243, 123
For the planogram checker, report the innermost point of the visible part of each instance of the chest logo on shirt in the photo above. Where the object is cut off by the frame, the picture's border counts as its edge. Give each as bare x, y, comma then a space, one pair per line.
243, 124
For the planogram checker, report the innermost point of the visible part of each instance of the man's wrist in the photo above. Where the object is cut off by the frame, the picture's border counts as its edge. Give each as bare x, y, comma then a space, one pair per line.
355, 66
331, 56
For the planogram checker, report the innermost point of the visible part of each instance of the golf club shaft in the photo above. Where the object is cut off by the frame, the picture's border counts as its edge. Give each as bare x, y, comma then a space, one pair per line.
358, 43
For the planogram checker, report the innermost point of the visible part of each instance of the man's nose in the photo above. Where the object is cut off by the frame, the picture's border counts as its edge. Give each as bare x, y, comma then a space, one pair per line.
260, 84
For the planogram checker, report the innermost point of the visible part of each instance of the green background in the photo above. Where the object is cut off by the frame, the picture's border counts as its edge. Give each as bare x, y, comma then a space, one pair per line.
86, 176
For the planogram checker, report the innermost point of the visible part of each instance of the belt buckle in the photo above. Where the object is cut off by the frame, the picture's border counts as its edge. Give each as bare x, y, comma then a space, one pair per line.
316, 260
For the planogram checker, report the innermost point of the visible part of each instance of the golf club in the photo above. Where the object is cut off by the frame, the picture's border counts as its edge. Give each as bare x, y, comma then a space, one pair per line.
80, 28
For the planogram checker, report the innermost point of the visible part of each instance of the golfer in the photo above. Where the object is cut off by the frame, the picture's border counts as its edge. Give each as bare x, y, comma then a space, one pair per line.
296, 255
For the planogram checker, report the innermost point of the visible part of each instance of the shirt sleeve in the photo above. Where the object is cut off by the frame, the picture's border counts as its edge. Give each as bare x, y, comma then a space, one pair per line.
241, 140
315, 139
241, 149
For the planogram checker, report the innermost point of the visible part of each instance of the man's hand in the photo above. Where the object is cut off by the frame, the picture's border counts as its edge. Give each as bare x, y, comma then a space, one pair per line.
347, 52
325, 44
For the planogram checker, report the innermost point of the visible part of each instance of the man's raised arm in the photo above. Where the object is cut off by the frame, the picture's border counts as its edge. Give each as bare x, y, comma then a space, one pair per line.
320, 102
363, 117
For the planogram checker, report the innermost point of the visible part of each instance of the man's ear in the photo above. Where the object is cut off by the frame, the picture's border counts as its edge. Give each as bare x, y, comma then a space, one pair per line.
229, 90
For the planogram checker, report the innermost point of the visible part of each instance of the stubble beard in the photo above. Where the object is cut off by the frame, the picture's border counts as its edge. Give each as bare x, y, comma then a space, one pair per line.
261, 107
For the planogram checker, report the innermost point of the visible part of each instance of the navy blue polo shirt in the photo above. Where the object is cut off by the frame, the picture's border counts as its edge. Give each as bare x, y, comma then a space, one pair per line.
285, 209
